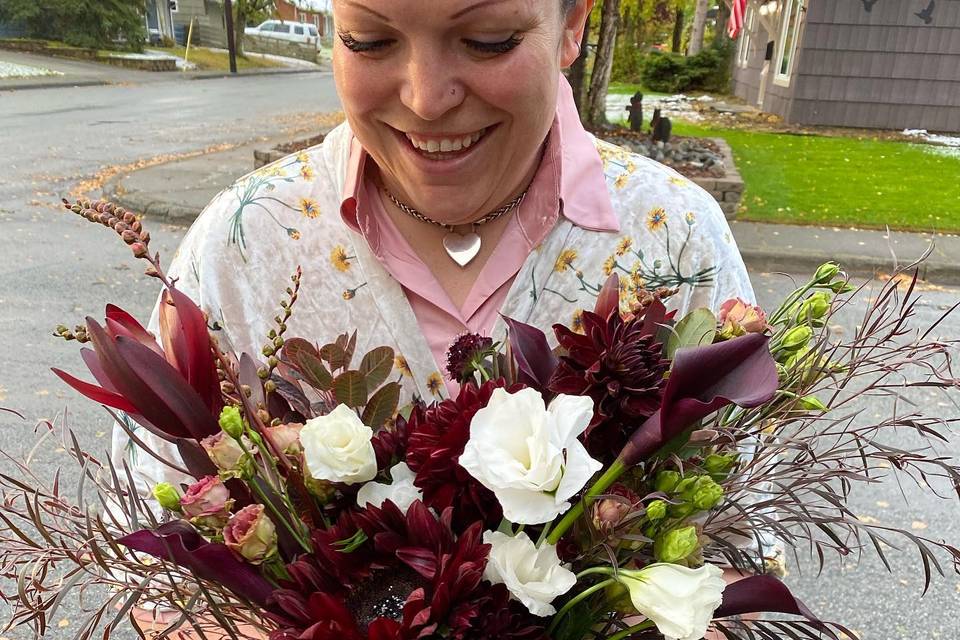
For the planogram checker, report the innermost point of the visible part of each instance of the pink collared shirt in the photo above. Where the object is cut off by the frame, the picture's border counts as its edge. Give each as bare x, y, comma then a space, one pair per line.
570, 182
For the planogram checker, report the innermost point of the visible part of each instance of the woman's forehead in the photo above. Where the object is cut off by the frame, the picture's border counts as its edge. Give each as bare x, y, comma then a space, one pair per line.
442, 9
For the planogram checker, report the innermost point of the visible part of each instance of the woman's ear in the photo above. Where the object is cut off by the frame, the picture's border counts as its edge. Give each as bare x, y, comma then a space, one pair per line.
574, 23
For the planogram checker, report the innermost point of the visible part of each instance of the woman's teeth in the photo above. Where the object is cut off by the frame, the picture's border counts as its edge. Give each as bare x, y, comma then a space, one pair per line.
445, 145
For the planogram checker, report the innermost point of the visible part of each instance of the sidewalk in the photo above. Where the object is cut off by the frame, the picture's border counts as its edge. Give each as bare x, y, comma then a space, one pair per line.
178, 191
82, 73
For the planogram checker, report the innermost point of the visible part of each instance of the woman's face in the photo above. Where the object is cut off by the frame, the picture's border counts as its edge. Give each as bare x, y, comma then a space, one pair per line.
453, 98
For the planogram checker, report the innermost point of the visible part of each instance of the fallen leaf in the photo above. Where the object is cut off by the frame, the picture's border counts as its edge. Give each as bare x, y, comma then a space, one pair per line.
867, 519
883, 504
3, 396
63, 623
42, 392
917, 525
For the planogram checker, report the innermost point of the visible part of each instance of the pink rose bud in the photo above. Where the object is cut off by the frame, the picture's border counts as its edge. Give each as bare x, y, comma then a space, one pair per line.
251, 534
610, 512
738, 317
226, 454
286, 437
209, 500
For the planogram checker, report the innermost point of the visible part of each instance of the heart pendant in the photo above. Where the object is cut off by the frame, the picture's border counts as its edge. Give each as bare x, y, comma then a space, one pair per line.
462, 248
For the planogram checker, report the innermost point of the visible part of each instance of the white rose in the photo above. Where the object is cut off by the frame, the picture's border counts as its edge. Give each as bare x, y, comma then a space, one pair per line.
337, 447
533, 576
528, 455
400, 492
679, 600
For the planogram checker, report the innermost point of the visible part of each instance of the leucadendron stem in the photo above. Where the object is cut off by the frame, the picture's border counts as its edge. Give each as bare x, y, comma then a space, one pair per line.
610, 476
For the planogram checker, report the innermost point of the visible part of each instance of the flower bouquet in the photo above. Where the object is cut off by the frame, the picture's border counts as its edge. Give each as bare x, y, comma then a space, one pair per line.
594, 490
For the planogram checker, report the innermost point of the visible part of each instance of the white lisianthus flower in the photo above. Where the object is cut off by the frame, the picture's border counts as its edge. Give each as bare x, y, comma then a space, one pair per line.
400, 492
679, 600
528, 455
533, 575
337, 447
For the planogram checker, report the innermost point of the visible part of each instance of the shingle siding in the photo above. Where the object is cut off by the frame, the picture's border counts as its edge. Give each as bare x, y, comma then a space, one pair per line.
882, 69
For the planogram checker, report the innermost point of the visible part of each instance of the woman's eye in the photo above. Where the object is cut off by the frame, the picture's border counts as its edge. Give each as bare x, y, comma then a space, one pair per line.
361, 46
495, 47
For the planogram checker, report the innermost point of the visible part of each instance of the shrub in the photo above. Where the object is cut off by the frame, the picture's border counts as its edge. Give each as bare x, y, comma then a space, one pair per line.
97, 24
627, 64
708, 70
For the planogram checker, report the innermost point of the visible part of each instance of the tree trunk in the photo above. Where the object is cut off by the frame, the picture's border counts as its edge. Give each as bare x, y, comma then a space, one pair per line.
720, 29
603, 63
578, 70
239, 25
699, 26
677, 31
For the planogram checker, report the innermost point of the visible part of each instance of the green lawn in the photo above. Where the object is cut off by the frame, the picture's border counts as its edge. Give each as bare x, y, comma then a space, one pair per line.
843, 181
208, 59
624, 88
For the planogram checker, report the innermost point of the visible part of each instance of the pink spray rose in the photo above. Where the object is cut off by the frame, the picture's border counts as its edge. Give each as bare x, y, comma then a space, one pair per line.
208, 500
286, 437
610, 512
738, 317
251, 534
227, 454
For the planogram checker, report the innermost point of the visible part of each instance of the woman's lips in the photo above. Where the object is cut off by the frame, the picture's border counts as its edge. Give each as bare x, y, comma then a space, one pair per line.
444, 149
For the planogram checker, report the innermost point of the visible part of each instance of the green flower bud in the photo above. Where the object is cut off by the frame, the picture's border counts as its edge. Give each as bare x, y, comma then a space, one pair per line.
322, 489
676, 545
168, 496
656, 510
687, 488
231, 422
708, 493
667, 481
716, 463
812, 403
842, 287
815, 307
796, 338
826, 272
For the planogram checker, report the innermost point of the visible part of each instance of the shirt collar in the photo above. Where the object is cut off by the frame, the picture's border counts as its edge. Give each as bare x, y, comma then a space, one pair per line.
583, 187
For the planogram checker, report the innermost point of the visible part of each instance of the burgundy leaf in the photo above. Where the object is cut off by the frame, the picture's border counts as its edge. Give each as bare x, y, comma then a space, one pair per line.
169, 386
121, 323
767, 594
131, 386
702, 380
535, 360
187, 346
178, 542
95, 393
608, 300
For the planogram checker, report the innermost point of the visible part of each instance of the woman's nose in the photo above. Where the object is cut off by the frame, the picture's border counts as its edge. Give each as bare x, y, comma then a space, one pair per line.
432, 86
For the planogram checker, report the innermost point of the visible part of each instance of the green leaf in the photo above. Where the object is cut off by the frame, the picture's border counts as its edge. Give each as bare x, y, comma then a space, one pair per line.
696, 329
304, 357
376, 366
350, 388
382, 406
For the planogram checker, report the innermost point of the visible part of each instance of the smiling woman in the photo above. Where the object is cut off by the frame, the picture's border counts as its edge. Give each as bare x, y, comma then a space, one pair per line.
461, 189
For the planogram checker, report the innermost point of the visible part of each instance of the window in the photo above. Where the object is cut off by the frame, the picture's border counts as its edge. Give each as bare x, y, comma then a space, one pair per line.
792, 19
743, 50
313, 30
298, 30
173, 6
279, 27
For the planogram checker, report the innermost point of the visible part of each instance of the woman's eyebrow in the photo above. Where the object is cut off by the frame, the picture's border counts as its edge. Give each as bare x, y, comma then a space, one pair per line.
359, 5
474, 7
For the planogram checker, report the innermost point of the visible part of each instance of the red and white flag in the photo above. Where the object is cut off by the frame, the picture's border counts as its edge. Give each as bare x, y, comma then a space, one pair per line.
738, 9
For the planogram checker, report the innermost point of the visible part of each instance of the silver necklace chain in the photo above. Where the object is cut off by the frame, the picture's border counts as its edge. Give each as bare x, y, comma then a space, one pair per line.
493, 215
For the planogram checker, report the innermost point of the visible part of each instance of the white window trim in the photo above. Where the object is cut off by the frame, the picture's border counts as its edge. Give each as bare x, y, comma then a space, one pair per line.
783, 79
743, 53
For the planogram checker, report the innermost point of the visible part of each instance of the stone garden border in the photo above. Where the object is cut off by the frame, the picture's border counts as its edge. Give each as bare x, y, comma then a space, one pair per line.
728, 190
42, 47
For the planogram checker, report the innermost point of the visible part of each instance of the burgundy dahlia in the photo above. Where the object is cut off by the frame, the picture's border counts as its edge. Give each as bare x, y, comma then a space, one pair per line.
620, 365
437, 437
466, 355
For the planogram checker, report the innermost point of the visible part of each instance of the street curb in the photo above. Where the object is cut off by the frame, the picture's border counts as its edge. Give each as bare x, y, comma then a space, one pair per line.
55, 85
758, 260
164, 211
265, 72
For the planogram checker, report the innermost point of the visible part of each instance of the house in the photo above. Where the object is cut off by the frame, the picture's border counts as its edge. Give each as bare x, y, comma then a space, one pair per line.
317, 12
159, 18
888, 64
209, 22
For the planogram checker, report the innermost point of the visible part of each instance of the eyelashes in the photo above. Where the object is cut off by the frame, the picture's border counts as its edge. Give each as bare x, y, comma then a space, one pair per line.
359, 46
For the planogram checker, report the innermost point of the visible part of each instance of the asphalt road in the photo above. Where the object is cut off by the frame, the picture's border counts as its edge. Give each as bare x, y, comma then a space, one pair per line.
56, 268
